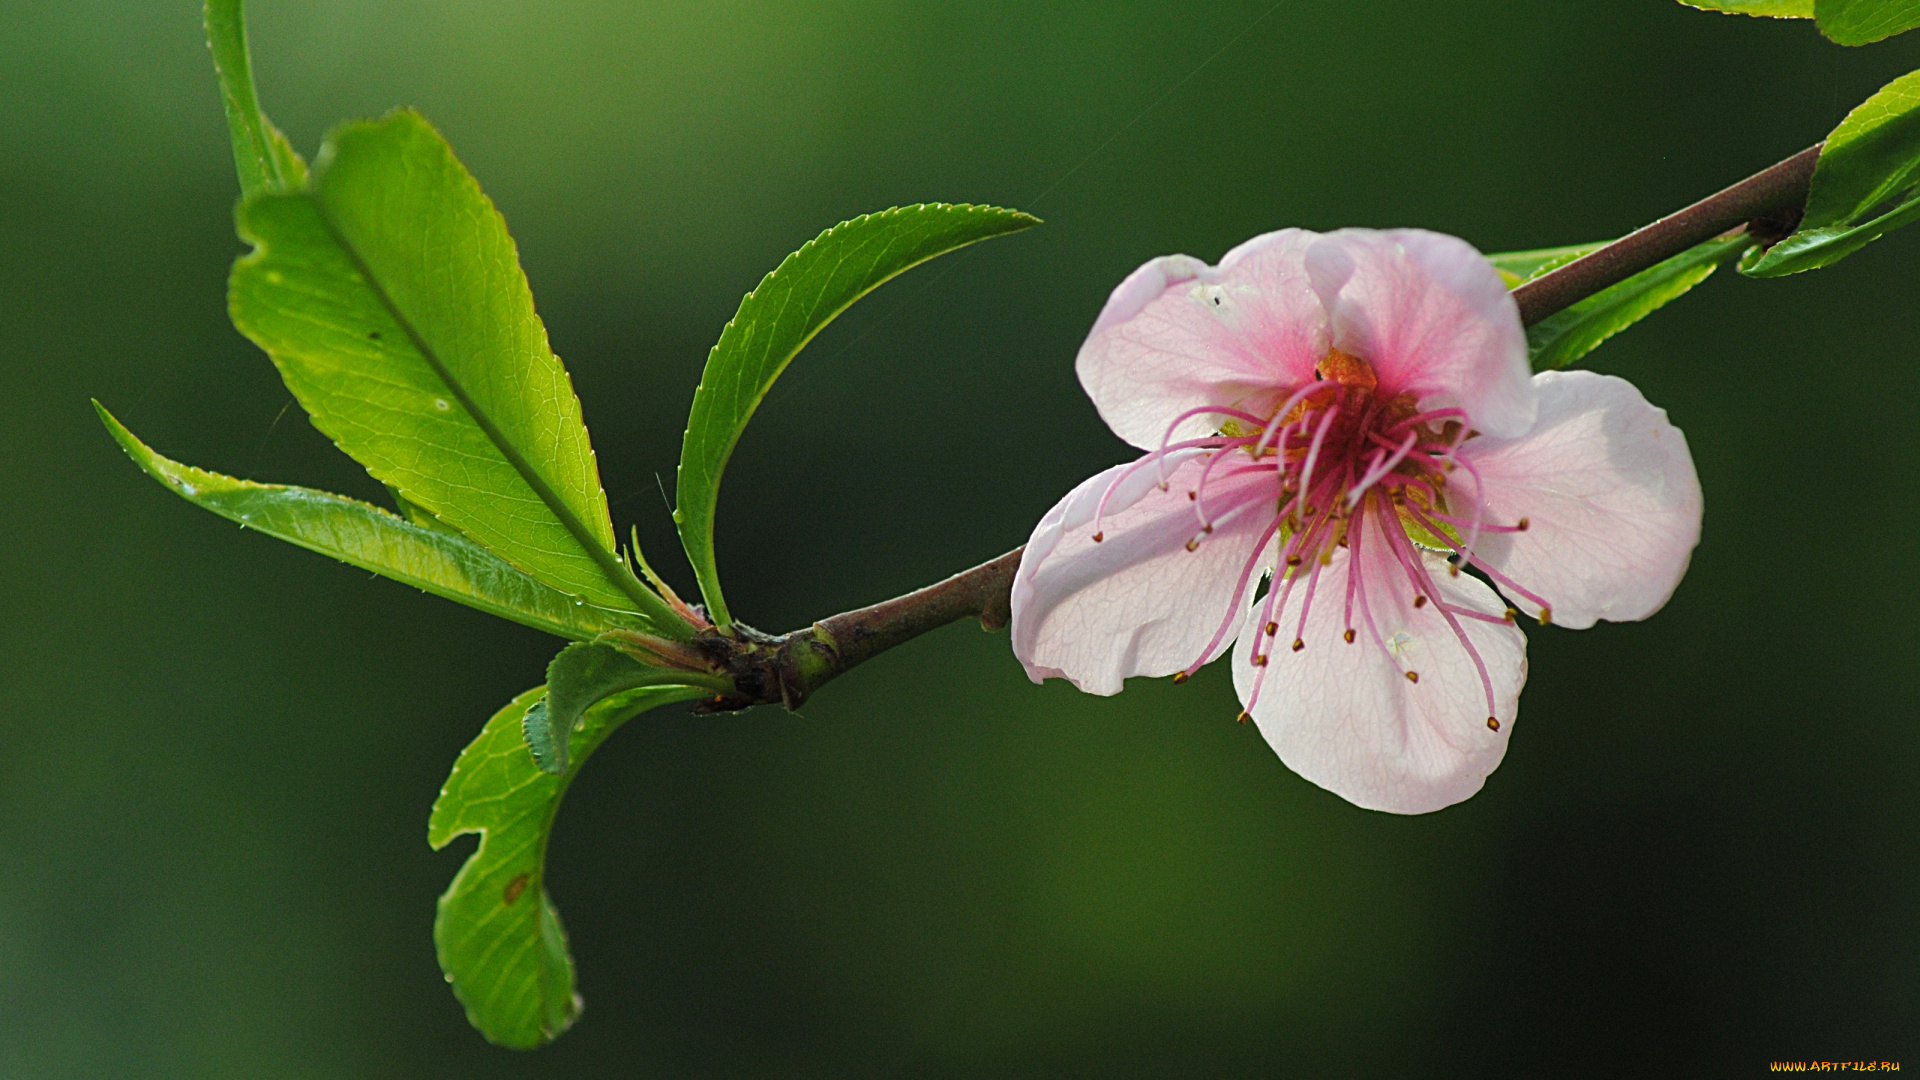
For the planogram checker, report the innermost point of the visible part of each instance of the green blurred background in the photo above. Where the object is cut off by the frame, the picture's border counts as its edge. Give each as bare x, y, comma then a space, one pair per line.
217, 752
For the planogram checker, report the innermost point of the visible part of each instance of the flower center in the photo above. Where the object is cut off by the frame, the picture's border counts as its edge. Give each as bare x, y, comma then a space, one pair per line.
1343, 455
1341, 440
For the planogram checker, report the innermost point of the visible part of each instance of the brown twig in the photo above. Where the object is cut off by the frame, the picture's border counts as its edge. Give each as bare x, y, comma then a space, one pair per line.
1780, 189
786, 669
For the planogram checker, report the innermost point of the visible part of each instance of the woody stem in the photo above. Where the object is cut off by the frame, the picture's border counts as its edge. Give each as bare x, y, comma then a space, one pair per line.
1767, 199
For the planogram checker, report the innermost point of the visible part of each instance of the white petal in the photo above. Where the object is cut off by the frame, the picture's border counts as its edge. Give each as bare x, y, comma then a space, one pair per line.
1610, 496
1137, 602
1345, 716
1433, 317
1179, 334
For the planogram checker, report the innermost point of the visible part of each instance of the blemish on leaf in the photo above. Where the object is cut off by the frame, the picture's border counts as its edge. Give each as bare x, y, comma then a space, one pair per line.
515, 887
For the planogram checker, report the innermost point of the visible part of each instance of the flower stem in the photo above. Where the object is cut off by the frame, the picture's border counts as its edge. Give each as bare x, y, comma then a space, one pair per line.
789, 668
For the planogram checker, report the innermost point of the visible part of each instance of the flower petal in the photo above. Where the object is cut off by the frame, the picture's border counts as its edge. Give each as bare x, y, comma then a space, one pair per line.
1179, 334
1137, 602
1432, 316
1346, 717
1610, 496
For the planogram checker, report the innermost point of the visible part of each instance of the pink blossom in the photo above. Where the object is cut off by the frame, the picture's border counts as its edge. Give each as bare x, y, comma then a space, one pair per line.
1352, 414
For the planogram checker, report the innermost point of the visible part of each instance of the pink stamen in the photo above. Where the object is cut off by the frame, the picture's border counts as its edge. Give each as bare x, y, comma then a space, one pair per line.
1355, 529
1216, 410
1263, 640
1475, 561
1479, 507
1374, 474
1419, 419
1286, 407
1233, 606
1469, 613
1306, 605
1199, 492
1366, 609
1508, 583
1410, 560
1100, 512
1274, 427
1224, 519
1313, 450
1306, 545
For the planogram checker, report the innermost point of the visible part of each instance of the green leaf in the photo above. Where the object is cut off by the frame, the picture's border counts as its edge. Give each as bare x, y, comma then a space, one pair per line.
391, 298
1872, 157
1520, 267
437, 560
582, 675
1862, 22
498, 936
1566, 336
1777, 9
261, 155
777, 319
418, 515
1810, 249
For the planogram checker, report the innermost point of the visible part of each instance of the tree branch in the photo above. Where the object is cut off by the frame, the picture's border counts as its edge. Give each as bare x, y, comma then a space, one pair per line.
1765, 199
789, 668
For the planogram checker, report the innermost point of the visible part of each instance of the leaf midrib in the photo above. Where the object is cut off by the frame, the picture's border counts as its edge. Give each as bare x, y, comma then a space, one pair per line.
648, 604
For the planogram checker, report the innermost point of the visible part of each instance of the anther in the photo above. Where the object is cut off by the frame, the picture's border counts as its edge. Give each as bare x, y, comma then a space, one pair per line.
1343, 540
1293, 560
1546, 616
1261, 660
1453, 569
1420, 600
1510, 613
1207, 528
1099, 536
1522, 524
1413, 676
1180, 677
1192, 496
1348, 635
1244, 716
1273, 628
1193, 545
1493, 724
1298, 644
